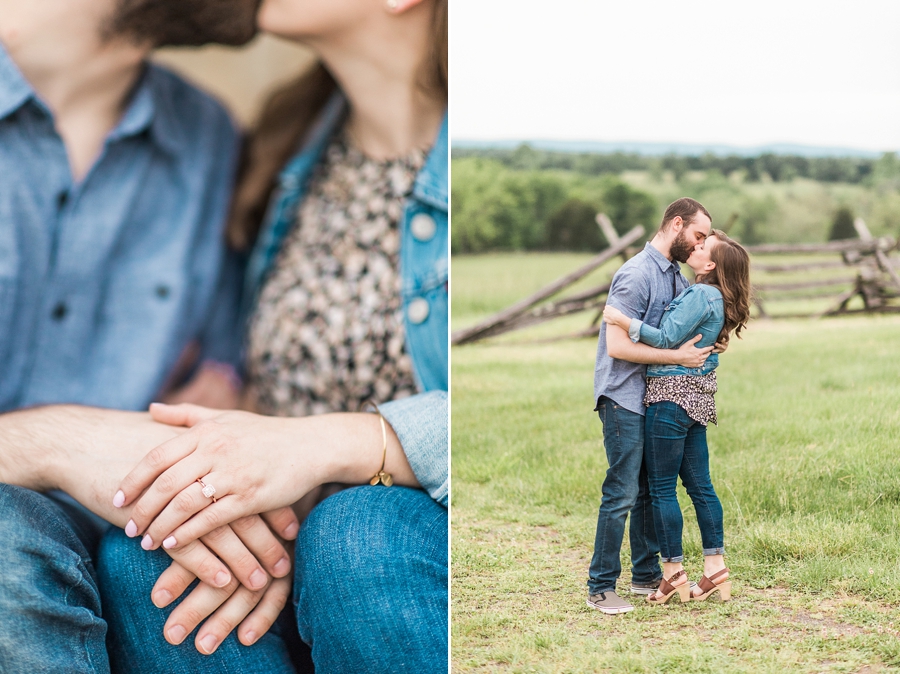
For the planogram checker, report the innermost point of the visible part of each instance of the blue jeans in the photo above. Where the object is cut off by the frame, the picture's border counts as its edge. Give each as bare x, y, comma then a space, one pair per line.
625, 490
50, 610
676, 445
370, 594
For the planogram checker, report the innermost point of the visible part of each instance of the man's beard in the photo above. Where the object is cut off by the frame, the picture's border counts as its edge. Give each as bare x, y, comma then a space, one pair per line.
681, 248
185, 23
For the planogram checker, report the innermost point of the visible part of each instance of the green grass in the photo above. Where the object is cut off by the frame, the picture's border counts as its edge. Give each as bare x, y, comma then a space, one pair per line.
805, 461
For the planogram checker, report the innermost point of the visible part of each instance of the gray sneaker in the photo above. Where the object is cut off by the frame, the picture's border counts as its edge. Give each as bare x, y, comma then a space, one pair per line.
609, 602
644, 588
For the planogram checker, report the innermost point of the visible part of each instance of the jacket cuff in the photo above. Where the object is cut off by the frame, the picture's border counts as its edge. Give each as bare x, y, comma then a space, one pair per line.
421, 423
634, 330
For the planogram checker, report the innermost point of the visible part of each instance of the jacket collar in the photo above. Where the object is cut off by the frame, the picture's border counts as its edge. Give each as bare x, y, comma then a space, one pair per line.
430, 186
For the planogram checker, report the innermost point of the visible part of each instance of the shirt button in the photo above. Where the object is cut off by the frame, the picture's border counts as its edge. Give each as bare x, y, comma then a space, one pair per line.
423, 227
417, 311
59, 311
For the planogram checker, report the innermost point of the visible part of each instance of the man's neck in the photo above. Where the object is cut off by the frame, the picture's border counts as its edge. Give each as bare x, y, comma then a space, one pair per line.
390, 115
662, 245
84, 79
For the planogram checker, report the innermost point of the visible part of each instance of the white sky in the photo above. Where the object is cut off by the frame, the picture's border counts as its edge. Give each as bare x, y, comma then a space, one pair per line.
687, 71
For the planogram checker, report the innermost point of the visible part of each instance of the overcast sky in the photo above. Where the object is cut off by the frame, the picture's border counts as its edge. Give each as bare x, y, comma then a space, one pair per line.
688, 71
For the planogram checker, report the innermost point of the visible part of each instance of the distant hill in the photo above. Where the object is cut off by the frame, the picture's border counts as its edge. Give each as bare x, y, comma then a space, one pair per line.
661, 149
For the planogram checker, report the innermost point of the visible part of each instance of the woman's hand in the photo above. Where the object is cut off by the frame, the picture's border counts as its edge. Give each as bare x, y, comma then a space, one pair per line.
613, 316
255, 463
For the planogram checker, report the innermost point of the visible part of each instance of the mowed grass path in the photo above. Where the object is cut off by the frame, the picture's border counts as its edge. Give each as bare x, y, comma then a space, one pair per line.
806, 462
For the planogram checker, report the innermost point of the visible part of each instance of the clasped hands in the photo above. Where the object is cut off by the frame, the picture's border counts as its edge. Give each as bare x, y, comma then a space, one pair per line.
254, 597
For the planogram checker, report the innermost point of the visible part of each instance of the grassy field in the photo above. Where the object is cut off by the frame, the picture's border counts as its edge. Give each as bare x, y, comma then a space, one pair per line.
805, 461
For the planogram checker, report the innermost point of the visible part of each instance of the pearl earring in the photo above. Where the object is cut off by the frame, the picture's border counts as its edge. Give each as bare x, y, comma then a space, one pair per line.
392, 5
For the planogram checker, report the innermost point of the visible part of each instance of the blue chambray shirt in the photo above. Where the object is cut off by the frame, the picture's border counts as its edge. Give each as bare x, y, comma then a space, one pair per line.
641, 288
104, 282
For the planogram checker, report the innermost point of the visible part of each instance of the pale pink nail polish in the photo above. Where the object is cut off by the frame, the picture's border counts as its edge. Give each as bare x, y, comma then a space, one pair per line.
290, 531
131, 529
251, 637
146, 542
170, 542
119, 499
257, 579
222, 579
162, 598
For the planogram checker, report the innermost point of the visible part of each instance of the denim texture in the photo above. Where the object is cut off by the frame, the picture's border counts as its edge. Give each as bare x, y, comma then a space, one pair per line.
105, 281
625, 490
370, 594
51, 618
641, 288
676, 445
698, 310
424, 272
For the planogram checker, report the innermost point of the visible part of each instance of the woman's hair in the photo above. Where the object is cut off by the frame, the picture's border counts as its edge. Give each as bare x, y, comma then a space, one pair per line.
731, 276
284, 121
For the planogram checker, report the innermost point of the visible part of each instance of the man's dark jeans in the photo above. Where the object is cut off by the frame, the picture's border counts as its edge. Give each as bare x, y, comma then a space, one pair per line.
624, 489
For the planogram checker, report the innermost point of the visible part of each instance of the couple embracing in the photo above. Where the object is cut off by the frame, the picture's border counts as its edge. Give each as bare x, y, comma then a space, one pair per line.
654, 385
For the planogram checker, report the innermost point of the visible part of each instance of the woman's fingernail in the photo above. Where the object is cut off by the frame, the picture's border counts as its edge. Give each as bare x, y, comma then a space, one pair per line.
162, 598
176, 634
281, 566
290, 531
209, 643
257, 579
146, 542
222, 579
251, 637
119, 499
170, 542
131, 529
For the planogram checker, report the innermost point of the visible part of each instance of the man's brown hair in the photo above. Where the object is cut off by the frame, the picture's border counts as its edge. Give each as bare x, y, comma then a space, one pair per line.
685, 208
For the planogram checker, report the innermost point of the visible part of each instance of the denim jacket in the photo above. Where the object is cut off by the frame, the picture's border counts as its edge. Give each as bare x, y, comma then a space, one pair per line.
421, 422
697, 310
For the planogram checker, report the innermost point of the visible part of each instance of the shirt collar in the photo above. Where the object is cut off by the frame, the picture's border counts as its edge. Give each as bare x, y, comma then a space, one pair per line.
14, 88
149, 106
664, 263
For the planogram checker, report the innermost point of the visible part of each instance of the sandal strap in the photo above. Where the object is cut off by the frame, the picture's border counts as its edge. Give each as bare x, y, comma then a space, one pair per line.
665, 585
707, 584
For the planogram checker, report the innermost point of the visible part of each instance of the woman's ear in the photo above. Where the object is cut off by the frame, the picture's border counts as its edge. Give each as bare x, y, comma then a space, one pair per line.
400, 6
709, 266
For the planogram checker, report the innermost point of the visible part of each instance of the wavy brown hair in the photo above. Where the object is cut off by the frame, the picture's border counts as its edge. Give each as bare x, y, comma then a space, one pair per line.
731, 276
286, 118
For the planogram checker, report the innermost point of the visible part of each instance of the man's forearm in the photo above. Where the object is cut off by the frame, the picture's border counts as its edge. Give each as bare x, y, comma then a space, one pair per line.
31, 443
620, 346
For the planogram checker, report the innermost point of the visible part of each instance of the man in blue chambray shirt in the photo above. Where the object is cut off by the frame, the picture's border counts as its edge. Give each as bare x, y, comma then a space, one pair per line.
642, 288
115, 178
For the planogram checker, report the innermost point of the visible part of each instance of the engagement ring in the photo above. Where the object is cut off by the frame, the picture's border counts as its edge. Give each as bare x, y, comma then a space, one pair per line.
208, 490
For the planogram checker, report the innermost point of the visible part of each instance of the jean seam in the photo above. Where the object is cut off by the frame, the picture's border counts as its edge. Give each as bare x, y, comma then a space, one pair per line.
709, 512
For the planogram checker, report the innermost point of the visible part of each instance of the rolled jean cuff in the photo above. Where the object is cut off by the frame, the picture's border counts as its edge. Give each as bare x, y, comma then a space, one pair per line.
713, 551
673, 560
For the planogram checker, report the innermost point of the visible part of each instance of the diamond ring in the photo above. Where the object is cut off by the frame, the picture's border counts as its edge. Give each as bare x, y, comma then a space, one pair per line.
208, 490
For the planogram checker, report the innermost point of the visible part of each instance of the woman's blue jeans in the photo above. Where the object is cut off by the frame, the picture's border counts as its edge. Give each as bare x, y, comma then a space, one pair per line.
370, 594
676, 445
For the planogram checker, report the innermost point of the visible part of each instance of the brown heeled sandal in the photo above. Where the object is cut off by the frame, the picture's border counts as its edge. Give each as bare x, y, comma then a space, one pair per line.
666, 590
707, 587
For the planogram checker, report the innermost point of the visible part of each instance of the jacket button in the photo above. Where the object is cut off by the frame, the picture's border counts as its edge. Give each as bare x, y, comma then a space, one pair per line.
418, 310
423, 227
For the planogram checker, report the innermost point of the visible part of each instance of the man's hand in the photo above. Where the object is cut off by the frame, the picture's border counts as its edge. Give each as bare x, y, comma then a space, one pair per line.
689, 355
86, 452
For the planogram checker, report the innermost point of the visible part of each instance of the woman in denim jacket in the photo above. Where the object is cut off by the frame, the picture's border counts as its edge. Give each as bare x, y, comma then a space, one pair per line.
680, 403
346, 297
